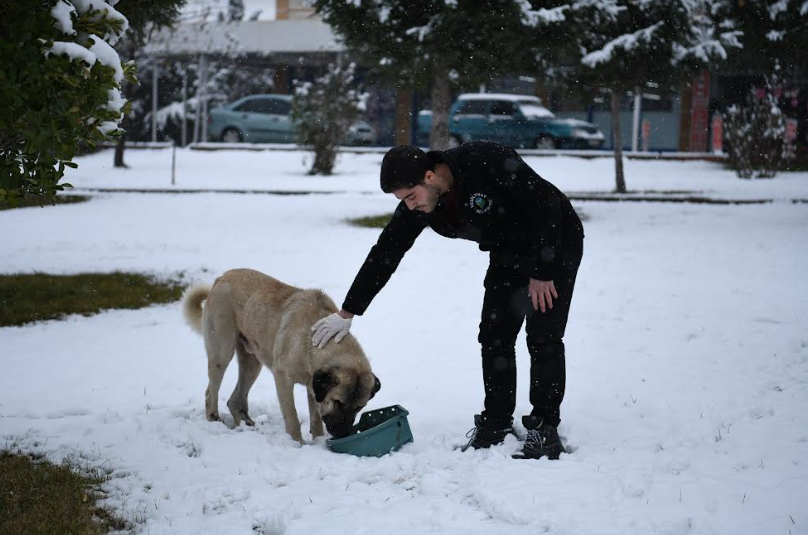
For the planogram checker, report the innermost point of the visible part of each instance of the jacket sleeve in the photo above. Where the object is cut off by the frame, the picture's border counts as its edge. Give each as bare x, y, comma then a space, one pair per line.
395, 240
542, 207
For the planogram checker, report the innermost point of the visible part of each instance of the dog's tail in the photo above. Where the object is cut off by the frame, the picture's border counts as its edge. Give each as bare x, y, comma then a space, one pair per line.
192, 300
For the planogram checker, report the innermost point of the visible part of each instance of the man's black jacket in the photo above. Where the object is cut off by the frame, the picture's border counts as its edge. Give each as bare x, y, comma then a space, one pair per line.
503, 205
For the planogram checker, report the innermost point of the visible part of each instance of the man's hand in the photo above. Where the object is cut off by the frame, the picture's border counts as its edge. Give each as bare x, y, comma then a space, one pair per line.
542, 294
334, 325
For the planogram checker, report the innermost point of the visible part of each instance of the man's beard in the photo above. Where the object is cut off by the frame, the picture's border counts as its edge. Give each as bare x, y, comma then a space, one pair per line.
434, 194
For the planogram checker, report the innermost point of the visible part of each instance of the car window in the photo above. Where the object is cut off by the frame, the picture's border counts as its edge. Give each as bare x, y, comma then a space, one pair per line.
265, 105
502, 107
283, 107
252, 105
472, 107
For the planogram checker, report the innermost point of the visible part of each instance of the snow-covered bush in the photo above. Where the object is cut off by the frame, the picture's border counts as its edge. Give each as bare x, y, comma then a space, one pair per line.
323, 111
60, 84
755, 135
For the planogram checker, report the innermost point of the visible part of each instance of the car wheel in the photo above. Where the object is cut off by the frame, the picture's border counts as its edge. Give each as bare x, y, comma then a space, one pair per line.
231, 135
454, 142
545, 143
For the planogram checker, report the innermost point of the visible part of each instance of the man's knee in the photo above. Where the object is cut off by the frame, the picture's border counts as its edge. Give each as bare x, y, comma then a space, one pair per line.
545, 345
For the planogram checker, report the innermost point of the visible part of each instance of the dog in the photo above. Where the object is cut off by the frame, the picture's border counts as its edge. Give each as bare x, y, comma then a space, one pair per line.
266, 322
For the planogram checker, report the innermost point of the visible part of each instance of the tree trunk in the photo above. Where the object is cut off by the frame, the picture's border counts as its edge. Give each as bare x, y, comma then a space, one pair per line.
618, 143
119, 147
324, 159
127, 51
441, 101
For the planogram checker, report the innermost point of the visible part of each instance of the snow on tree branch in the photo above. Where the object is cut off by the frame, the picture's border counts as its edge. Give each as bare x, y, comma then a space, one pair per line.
624, 42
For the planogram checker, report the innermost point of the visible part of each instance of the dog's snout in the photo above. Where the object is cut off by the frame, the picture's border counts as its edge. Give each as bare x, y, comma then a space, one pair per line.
339, 425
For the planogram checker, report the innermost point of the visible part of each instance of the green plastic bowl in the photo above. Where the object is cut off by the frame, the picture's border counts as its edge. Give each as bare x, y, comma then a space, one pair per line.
377, 433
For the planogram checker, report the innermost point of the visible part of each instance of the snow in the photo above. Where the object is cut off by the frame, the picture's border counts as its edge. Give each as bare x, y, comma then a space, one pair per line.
687, 357
106, 9
536, 17
107, 127
115, 102
109, 57
536, 111
61, 15
72, 50
624, 42
197, 10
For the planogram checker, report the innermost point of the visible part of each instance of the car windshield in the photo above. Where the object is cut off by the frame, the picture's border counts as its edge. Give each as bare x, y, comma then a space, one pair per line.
533, 109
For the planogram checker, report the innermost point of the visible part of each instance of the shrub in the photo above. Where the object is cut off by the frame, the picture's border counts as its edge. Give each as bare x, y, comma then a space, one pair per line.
755, 135
323, 111
60, 82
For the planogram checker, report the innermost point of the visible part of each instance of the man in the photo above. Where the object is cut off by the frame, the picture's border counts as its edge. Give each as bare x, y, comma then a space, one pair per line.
484, 192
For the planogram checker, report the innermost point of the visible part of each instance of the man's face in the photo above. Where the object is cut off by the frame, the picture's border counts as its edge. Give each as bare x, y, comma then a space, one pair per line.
423, 197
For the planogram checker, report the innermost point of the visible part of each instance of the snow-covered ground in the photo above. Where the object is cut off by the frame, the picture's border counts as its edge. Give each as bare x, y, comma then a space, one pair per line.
687, 357
284, 170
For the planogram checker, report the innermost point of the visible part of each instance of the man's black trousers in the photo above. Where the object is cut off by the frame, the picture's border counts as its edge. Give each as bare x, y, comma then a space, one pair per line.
505, 307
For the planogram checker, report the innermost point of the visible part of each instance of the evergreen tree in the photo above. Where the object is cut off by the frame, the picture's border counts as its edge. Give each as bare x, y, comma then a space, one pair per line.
61, 90
429, 43
622, 44
323, 111
755, 133
775, 36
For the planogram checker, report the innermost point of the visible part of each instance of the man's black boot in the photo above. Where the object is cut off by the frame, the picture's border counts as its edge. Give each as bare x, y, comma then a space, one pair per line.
542, 440
488, 432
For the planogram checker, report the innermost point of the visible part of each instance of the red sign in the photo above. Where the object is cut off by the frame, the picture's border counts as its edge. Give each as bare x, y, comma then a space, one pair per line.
791, 136
698, 112
646, 135
718, 133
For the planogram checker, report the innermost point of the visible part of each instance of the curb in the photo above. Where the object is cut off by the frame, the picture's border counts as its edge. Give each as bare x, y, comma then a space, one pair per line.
690, 199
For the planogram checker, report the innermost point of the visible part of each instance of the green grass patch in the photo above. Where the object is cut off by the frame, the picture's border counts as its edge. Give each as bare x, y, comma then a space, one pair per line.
38, 496
33, 201
25, 298
374, 221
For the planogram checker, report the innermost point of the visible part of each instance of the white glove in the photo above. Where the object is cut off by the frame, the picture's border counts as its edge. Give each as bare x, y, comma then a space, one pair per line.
330, 326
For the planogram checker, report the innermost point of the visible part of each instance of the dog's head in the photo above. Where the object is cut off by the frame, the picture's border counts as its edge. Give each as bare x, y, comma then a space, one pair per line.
342, 392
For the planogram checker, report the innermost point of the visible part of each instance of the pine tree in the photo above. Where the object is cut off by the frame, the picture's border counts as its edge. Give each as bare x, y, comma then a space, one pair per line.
755, 133
323, 111
437, 44
775, 35
621, 44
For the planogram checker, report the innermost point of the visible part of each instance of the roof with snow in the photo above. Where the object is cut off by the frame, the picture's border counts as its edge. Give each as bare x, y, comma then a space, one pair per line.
260, 37
498, 96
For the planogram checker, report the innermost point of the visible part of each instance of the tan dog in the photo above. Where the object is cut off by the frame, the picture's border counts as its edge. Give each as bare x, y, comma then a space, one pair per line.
268, 322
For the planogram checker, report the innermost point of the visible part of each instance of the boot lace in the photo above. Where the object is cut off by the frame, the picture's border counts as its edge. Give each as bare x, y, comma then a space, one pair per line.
534, 440
471, 435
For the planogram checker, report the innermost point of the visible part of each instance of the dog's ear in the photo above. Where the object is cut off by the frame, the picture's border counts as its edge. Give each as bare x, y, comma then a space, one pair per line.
377, 386
321, 383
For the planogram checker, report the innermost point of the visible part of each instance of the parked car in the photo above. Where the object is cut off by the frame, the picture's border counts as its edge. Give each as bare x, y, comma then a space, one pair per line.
267, 119
520, 121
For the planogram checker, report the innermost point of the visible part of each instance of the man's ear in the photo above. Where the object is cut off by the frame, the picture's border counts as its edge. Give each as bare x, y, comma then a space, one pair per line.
321, 383
376, 387
429, 177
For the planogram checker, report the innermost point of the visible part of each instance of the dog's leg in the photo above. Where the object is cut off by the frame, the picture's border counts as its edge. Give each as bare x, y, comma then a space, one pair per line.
220, 345
315, 420
248, 369
285, 388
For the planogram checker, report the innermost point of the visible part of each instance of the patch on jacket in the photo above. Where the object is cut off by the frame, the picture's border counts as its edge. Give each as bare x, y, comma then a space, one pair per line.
480, 203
